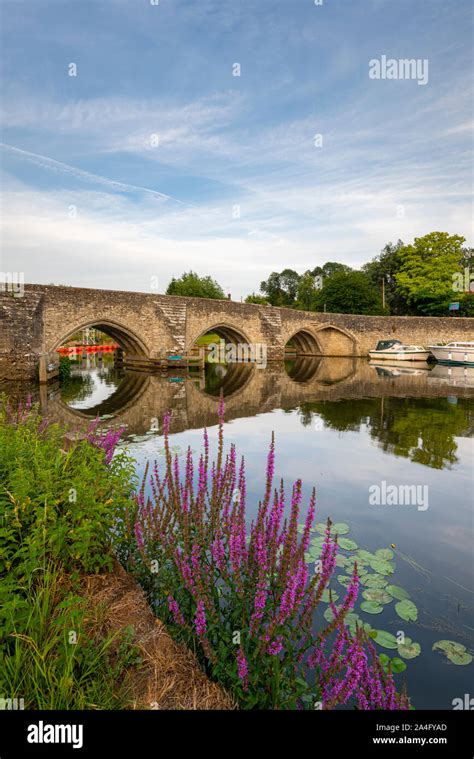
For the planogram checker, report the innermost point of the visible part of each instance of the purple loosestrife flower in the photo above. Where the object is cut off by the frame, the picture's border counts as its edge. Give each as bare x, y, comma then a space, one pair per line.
275, 646
258, 608
309, 522
218, 553
288, 599
175, 610
200, 620
182, 563
242, 669
139, 535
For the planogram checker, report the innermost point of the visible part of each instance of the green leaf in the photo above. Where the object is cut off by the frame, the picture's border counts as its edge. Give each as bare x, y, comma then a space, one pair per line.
384, 553
407, 610
320, 527
378, 595
374, 581
386, 639
340, 528
382, 567
371, 607
397, 592
328, 614
448, 646
455, 652
364, 555
347, 544
325, 596
461, 659
398, 665
409, 649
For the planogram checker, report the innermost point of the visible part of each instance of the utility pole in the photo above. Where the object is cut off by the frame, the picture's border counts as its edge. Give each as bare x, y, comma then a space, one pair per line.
383, 291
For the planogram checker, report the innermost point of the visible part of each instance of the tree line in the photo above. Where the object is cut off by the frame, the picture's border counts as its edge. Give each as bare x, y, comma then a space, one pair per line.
419, 279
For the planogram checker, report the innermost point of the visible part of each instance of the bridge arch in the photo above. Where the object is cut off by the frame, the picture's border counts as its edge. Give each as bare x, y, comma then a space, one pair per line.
336, 341
125, 337
227, 332
304, 343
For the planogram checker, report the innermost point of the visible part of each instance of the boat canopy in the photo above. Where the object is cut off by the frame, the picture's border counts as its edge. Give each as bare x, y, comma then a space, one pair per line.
382, 345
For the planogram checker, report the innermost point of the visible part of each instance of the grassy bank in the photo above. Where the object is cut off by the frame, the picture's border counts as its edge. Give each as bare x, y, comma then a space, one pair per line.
75, 631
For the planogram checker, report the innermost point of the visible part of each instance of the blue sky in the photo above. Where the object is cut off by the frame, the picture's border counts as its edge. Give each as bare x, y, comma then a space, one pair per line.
155, 159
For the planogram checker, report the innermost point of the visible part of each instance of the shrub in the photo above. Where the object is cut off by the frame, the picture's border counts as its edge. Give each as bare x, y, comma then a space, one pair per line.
57, 513
246, 603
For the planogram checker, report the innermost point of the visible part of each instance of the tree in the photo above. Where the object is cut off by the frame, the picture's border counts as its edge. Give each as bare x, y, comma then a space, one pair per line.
427, 272
330, 268
308, 288
382, 272
281, 287
349, 292
191, 285
258, 299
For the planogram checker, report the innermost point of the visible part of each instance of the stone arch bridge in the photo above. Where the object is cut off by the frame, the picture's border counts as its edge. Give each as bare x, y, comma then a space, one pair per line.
150, 326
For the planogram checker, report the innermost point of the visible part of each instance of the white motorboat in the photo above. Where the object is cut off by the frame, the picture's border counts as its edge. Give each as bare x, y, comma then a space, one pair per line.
394, 349
457, 352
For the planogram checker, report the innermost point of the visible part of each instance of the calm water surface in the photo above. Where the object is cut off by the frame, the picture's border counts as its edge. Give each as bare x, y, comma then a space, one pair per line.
343, 426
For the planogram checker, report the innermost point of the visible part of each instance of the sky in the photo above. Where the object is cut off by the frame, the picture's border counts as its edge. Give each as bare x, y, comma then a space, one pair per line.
144, 138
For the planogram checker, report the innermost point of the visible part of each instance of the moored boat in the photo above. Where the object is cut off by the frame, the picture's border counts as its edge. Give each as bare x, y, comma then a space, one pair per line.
457, 352
394, 349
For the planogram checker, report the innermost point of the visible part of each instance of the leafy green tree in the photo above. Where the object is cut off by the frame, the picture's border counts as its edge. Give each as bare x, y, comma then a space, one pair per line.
349, 292
427, 268
330, 268
382, 272
258, 299
281, 288
308, 289
191, 285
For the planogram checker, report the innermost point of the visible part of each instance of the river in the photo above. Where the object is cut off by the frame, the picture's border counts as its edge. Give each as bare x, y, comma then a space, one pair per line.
355, 431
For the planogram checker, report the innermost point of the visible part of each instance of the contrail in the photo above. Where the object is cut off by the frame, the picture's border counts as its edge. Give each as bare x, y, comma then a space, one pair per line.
85, 176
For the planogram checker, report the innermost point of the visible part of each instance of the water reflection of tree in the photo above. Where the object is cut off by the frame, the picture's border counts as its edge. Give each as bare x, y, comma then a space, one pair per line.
77, 387
420, 429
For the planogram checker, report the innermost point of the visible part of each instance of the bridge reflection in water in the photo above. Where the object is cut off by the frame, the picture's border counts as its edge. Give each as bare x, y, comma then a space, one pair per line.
137, 399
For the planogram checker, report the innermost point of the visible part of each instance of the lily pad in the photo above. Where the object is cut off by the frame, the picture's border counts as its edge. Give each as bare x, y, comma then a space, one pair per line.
364, 555
343, 561
407, 610
347, 544
448, 646
340, 528
325, 596
461, 659
385, 639
378, 595
397, 592
371, 607
320, 527
398, 665
328, 614
409, 649
317, 542
384, 553
374, 581
382, 567
455, 652
394, 665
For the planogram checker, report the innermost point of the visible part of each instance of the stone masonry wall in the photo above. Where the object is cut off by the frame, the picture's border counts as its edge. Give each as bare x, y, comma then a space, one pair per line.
150, 325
